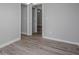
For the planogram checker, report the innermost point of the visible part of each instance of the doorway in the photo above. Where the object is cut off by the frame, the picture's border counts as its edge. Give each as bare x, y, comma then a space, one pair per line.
37, 19
31, 19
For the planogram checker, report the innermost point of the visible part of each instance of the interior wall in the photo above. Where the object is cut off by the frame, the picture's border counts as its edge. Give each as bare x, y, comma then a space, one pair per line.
33, 20
23, 19
10, 22
61, 21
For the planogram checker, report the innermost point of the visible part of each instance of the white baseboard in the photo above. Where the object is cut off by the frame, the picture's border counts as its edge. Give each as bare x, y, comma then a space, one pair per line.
24, 33
60, 40
10, 42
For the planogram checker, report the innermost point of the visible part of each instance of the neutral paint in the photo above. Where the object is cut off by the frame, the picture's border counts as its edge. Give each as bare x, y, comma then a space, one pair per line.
61, 21
23, 18
10, 22
34, 20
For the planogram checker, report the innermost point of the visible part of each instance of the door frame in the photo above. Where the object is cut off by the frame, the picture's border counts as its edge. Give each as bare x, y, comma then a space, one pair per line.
29, 23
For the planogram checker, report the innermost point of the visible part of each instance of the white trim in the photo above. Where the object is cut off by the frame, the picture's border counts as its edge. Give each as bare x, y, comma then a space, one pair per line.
35, 22
43, 20
24, 33
29, 19
10, 42
60, 40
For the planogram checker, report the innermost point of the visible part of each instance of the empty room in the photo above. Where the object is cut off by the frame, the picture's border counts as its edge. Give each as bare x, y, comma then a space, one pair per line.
39, 29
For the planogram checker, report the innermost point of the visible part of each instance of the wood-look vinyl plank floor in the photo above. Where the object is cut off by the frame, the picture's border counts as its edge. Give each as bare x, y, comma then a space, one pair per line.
34, 45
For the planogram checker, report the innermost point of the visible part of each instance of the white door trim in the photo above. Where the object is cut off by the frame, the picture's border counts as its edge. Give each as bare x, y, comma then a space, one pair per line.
29, 19
43, 20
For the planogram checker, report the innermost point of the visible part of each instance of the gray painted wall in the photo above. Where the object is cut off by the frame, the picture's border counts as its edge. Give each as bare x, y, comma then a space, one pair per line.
62, 21
33, 20
23, 18
10, 22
